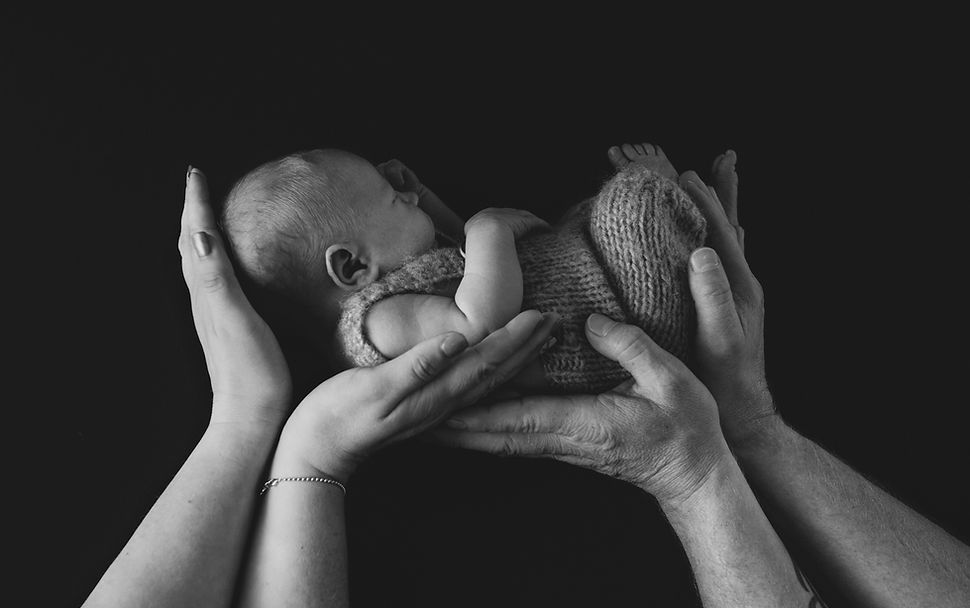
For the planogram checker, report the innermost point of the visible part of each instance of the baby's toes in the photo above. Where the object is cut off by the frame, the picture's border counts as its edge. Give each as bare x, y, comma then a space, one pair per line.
617, 158
631, 152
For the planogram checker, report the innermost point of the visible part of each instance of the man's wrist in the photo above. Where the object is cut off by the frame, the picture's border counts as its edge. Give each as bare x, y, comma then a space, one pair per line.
687, 506
682, 484
762, 437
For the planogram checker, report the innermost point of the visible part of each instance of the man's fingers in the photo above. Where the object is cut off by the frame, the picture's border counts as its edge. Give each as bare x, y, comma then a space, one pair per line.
722, 235
718, 323
502, 444
532, 414
725, 179
629, 346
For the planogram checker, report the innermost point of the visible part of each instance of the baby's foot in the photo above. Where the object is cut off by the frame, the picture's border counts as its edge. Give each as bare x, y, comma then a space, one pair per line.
649, 155
725, 179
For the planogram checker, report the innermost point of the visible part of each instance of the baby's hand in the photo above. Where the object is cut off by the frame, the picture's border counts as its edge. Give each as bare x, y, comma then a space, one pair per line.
400, 177
520, 221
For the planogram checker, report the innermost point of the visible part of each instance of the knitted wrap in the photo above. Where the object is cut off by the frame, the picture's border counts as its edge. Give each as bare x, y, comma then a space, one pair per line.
623, 253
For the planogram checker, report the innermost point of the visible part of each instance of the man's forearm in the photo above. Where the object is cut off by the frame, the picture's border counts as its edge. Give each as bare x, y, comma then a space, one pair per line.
736, 556
869, 547
187, 550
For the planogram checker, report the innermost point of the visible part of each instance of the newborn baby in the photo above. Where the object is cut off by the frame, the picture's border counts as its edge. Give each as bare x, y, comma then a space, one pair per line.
380, 264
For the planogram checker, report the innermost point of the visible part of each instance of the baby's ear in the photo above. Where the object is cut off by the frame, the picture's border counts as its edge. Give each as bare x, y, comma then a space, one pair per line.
346, 268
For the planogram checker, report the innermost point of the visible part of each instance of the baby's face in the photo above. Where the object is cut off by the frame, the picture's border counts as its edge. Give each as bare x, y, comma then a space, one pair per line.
395, 228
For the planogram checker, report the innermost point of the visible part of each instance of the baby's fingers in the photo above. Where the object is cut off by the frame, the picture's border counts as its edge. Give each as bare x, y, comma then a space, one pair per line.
393, 172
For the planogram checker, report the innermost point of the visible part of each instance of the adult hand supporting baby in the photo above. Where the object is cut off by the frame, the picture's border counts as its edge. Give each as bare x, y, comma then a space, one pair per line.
658, 431
362, 409
868, 549
299, 552
248, 373
187, 551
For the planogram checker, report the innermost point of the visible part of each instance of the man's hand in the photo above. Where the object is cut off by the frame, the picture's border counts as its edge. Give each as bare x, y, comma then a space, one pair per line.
658, 431
730, 310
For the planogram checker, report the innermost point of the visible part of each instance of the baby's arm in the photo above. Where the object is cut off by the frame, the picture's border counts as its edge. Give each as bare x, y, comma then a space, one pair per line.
488, 296
403, 179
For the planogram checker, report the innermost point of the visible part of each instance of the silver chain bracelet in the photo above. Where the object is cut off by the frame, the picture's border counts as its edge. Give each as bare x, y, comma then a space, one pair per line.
277, 480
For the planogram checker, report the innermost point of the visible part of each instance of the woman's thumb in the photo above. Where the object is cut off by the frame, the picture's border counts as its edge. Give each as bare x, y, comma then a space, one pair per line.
717, 315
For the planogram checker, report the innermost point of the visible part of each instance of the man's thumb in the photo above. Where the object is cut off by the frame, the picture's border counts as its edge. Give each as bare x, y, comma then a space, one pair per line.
717, 314
626, 344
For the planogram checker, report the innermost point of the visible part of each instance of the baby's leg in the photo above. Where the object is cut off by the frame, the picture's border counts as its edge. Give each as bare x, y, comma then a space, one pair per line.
644, 227
650, 156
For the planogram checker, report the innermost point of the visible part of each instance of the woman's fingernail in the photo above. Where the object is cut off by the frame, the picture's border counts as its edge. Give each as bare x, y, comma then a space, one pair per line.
200, 240
555, 319
188, 174
599, 324
704, 259
454, 344
456, 423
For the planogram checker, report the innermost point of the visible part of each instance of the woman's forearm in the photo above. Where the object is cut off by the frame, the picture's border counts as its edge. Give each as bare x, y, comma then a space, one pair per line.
187, 550
299, 551
490, 292
872, 549
736, 556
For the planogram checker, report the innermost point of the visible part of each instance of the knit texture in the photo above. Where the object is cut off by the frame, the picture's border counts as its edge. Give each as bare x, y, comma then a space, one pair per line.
623, 253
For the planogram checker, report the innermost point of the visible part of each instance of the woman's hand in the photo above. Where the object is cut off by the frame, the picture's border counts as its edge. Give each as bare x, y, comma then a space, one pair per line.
360, 410
519, 221
249, 376
658, 431
730, 310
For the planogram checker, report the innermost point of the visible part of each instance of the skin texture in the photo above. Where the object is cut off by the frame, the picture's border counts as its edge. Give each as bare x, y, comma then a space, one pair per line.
188, 550
867, 547
299, 548
403, 179
660, 432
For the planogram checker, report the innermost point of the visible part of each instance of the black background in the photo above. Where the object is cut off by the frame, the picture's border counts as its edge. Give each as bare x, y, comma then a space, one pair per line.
851, 196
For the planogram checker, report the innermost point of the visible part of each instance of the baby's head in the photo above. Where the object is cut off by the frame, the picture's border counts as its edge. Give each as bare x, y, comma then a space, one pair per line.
314, 226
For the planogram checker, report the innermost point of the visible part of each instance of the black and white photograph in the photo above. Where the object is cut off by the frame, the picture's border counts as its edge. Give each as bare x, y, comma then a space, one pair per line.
476, 307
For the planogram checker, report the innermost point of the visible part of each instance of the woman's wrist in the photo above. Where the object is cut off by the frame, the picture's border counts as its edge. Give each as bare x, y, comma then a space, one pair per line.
297, 456
255, 413
244, 428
